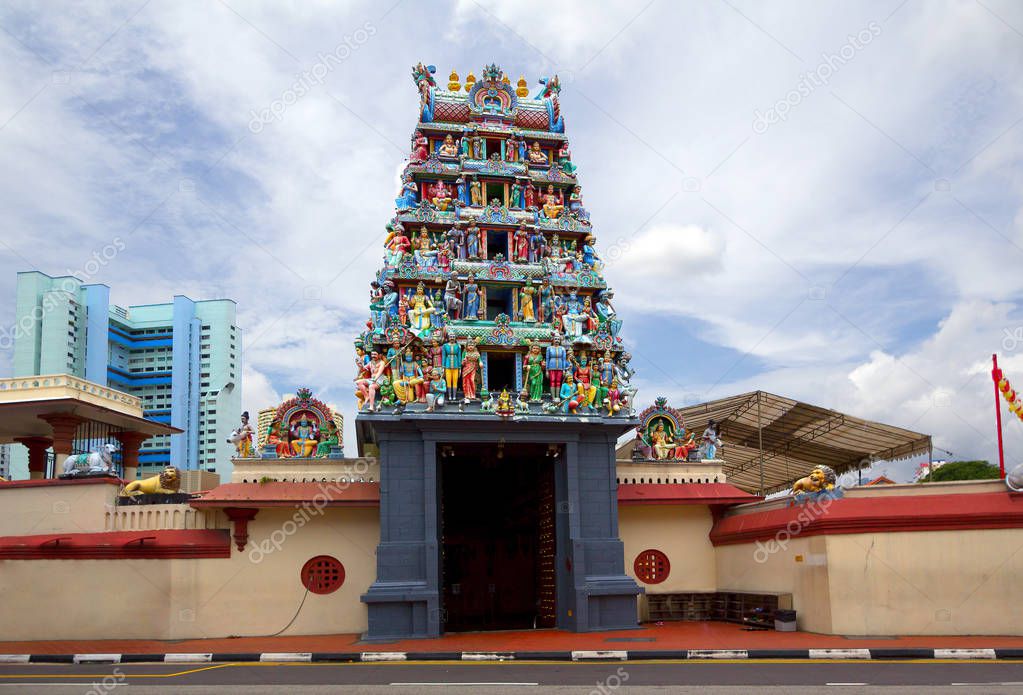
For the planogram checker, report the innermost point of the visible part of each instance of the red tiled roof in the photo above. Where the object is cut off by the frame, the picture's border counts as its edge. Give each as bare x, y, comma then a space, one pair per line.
55, 482
683, 493
989, 510
117, 545
278, 494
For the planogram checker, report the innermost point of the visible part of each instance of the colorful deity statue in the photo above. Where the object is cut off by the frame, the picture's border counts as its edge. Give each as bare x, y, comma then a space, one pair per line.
444, 258
537, 245
537, 155
554, 203
568, 395
615, 399
448, 148
452, 303
565, 159
516, 202
409, 379
409, 197
575, 199
241, 437
583, 374
470, 370
462, 190
526, 302
710, 441
606, 314
451, 360
421, 309
440, 195
556, 364
573, 318
304, 438
589, 251
475, 192
420, 148
277, 437
472, 241
546, 297
529, 197
378, 373
456, 239
511, 148
471, 299
520, 245
435, 396
328, 441
397, 244
532, 375
363, 379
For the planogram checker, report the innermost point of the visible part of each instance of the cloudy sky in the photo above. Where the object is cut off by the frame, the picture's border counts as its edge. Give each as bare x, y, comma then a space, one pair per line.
819, 199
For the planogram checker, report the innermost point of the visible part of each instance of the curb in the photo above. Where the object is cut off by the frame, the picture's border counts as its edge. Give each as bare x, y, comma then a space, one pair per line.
580, 655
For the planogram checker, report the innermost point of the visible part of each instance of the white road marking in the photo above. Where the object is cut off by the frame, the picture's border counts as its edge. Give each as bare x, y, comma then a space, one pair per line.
474, 684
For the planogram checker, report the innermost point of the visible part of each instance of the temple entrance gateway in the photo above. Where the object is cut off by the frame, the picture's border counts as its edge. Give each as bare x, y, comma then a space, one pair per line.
497, 537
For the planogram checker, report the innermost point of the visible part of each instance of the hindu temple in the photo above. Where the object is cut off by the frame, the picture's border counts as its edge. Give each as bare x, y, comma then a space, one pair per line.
492, 380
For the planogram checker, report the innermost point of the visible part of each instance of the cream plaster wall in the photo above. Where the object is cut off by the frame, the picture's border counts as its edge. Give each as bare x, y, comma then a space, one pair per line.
799, 568
680, 532
55, 508
251, 593
929, 583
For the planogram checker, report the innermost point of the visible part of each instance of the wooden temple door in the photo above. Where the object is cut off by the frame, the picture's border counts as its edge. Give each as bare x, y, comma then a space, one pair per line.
546, 571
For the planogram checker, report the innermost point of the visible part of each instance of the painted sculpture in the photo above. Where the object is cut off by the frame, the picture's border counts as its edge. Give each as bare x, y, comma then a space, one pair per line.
99, 462
491, 276
241, 437
167, 482
305, 427
820, 478
661, 434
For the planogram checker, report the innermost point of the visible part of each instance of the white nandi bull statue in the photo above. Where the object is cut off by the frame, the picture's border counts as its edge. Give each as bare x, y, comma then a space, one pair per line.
99, 461
1014, 479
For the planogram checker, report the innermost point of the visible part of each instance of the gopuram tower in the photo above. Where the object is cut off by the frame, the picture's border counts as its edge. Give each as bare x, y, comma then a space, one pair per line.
491, 379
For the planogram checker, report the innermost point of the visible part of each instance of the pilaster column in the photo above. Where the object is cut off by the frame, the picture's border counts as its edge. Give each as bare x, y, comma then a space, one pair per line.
37, 447
130, 442
64, 427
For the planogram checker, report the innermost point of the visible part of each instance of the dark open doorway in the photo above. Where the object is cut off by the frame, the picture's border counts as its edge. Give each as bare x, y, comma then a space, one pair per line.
498, 536
500, 372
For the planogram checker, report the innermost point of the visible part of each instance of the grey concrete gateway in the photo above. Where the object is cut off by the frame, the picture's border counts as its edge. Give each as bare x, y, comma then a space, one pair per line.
590, 589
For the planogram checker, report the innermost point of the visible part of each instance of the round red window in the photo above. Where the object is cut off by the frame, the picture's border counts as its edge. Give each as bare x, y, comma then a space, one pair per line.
323, 574
651, 566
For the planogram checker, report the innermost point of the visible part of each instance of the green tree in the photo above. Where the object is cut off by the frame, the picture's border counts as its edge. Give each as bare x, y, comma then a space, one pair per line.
962, 470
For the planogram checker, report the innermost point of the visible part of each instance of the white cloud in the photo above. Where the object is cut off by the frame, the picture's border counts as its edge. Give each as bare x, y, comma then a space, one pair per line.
653, 104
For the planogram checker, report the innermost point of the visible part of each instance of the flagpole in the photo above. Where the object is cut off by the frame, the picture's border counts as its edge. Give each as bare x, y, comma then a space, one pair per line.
996, 375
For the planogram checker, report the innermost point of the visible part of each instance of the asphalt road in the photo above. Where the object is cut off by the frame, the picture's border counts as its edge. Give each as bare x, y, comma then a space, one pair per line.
732, 677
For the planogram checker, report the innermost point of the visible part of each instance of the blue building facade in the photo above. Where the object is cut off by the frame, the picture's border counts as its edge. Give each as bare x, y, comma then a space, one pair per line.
182, 358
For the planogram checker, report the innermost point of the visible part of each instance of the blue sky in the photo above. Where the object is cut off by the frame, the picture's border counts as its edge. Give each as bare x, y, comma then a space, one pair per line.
861, 253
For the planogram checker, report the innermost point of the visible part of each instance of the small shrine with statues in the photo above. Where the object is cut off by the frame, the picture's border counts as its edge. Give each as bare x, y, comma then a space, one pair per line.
300, 427
491, 282
662, 436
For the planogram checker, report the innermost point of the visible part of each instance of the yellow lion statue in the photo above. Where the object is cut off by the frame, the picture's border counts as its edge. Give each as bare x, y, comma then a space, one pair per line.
820, 478
167, 483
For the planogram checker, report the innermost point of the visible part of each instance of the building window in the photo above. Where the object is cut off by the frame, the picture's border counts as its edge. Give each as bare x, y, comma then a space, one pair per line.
651, 566
323, 574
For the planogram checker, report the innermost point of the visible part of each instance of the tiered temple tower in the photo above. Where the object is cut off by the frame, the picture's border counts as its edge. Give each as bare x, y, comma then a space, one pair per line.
491, 283
493, 355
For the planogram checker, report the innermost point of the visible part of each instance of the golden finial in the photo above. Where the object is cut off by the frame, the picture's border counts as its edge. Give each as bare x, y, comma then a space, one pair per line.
470, 80
504, 78
522, 89
453, 84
